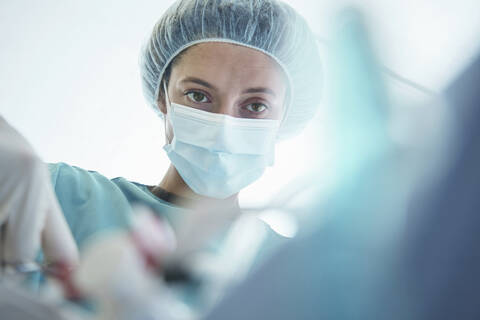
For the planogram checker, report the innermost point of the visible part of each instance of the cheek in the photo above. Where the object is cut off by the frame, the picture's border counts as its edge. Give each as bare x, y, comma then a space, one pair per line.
161, 105
281, 100
278, 112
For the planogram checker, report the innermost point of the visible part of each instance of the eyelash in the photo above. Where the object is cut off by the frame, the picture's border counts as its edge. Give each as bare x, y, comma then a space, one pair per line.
257, 103
187, 93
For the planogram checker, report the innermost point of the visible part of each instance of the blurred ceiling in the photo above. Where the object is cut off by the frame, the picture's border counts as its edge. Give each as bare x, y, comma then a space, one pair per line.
426, 41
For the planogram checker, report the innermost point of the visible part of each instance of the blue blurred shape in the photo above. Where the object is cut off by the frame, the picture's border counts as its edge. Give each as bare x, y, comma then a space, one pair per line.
443, 257
341, 271
338, 272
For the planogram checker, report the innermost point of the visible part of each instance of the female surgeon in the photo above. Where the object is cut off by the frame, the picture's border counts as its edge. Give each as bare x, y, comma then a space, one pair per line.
228, 78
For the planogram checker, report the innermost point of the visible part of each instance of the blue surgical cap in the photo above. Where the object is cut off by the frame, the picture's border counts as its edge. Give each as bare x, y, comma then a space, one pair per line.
269, 26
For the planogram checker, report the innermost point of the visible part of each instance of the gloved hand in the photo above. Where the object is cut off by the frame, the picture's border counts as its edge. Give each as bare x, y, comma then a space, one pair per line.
30, 215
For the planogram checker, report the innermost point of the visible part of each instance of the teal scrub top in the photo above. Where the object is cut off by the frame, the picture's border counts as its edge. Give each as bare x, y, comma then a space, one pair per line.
93, 203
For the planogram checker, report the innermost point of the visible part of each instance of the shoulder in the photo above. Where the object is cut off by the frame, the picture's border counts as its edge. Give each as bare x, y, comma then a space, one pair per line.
90, 201
83, 185
62, 173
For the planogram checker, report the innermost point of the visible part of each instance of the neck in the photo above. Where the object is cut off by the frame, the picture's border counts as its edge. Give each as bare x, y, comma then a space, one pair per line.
172, 182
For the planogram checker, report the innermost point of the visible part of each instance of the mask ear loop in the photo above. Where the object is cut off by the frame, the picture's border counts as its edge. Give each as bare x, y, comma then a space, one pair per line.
169, 110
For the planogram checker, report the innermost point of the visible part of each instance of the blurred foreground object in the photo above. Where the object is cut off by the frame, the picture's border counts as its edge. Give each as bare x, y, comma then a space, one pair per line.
118, 277
118, 272
29, 212
337, 272
424, 266
19, 305
443, 264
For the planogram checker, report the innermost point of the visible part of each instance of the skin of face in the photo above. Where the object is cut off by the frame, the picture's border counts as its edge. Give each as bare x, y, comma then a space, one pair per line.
223, 78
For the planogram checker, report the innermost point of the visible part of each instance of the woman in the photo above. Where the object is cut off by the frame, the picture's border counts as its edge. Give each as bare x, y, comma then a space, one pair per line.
229, 78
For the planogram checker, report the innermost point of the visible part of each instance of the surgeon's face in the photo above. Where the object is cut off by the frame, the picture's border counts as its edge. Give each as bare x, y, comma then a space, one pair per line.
228, 79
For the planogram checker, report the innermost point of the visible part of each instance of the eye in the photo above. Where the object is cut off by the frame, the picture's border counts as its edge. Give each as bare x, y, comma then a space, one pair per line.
257, 107
197, 96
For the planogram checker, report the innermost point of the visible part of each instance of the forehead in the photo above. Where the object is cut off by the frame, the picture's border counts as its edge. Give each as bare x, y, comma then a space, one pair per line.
230, 64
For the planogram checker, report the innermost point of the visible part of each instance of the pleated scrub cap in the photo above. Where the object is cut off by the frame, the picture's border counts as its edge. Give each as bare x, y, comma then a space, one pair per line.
269, 26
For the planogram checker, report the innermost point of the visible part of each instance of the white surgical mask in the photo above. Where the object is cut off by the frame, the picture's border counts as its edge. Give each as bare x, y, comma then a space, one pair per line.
217, 155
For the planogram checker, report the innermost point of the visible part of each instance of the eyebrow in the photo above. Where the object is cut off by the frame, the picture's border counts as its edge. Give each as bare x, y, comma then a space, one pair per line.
260, 90
211, 86
200, 82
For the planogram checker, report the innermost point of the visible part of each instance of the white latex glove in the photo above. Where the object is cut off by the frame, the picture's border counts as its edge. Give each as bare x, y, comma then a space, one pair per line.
30, 215
119, 269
